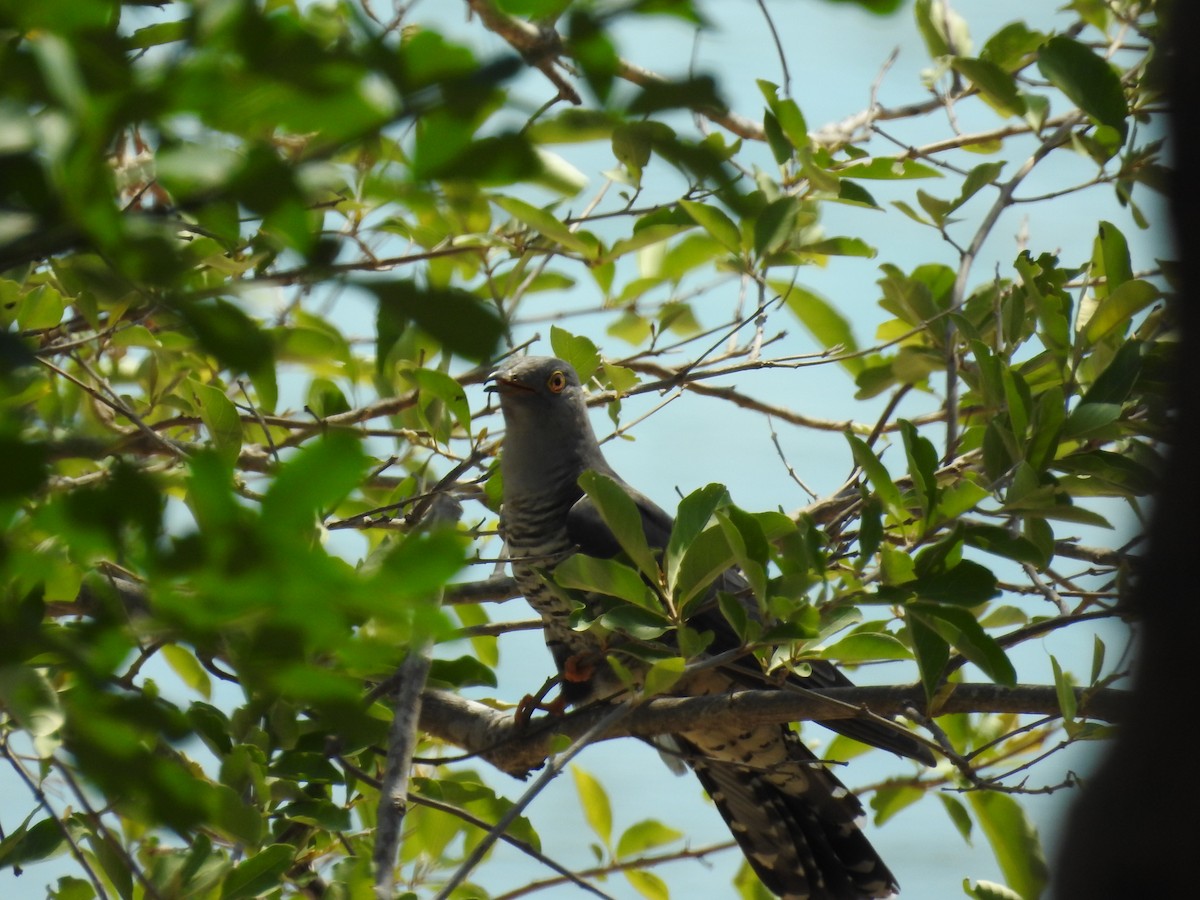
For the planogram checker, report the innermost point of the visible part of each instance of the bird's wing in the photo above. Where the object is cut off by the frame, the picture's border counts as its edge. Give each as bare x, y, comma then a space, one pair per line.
589, 532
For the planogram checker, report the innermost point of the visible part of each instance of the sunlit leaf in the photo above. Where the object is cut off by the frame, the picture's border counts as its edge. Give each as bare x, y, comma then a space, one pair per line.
594, 799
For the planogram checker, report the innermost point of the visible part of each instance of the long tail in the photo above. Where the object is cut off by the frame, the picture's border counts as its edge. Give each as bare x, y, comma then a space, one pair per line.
796, 823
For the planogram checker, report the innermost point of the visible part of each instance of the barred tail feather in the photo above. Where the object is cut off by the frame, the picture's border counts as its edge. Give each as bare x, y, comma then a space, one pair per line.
798, 830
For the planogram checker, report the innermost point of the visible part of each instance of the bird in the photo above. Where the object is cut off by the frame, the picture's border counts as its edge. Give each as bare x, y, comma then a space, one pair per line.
796, 823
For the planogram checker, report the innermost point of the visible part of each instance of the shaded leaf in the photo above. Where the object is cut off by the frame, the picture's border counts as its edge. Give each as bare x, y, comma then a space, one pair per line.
1088, 80
1013, 840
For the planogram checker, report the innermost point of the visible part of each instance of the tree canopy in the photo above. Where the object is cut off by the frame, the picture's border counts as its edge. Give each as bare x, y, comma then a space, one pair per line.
256, 262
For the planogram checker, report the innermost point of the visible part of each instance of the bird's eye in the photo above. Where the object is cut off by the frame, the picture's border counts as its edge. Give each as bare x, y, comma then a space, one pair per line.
556, 382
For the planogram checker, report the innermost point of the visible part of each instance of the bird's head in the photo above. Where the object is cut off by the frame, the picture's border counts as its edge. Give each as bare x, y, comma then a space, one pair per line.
546, 421
538, 385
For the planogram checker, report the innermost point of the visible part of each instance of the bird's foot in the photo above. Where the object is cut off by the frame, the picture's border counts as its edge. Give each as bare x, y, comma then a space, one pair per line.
530, 703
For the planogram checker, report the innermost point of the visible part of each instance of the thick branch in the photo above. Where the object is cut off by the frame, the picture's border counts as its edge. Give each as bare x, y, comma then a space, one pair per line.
497, 738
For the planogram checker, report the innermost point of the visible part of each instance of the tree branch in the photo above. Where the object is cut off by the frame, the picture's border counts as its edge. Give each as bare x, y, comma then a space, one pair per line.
498, 739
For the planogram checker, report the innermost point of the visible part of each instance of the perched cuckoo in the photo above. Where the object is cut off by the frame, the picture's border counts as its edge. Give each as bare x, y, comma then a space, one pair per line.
795, 822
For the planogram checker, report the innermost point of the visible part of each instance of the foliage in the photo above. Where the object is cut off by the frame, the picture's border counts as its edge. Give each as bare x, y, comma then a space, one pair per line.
216, 495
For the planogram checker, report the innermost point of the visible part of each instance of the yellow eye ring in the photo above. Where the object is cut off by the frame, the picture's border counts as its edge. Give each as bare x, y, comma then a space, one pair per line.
557, 381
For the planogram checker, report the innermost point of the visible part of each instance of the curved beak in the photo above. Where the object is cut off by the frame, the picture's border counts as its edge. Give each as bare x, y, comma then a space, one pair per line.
499, 383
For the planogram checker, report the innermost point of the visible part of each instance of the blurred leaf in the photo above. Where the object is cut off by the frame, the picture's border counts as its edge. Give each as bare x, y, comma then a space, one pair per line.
997, 86
716, 223
259, 874
456, 318
596, 808
645, 835
1014, 841
320, 475
221, 419
465, 671
648, 884
184, 664
958, 815
891, 799
823, 321
989, 890
1115, 310
27, 844
662, 675
542, 222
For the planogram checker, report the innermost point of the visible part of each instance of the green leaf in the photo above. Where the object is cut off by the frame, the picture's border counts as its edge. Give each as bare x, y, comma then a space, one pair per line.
931, 649
775, 225
943, 30
221, 419
867, 646
1110, 259
1002, 542
259, 874
958, 815
989, 890
716, 223
594, 800
1087, 418
922, 464
648, 884
645, 835
891, 799
997, 87
457, 319
26, 844
431, 383
880, 480
462, 672
30, 700
966, 584
706, 559
541, 221
823, 321
1065, 690
1014, 841
887, 169
1009, 47
1115, 310
319, 476
578, 350
229, 334
695, 512
608, 577
662, 675
621, 515
962, 630
787, 114
184, 664
640, 624
1088, 80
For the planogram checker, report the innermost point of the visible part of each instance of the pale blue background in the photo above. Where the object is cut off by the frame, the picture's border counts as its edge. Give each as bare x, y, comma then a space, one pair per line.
834, 52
